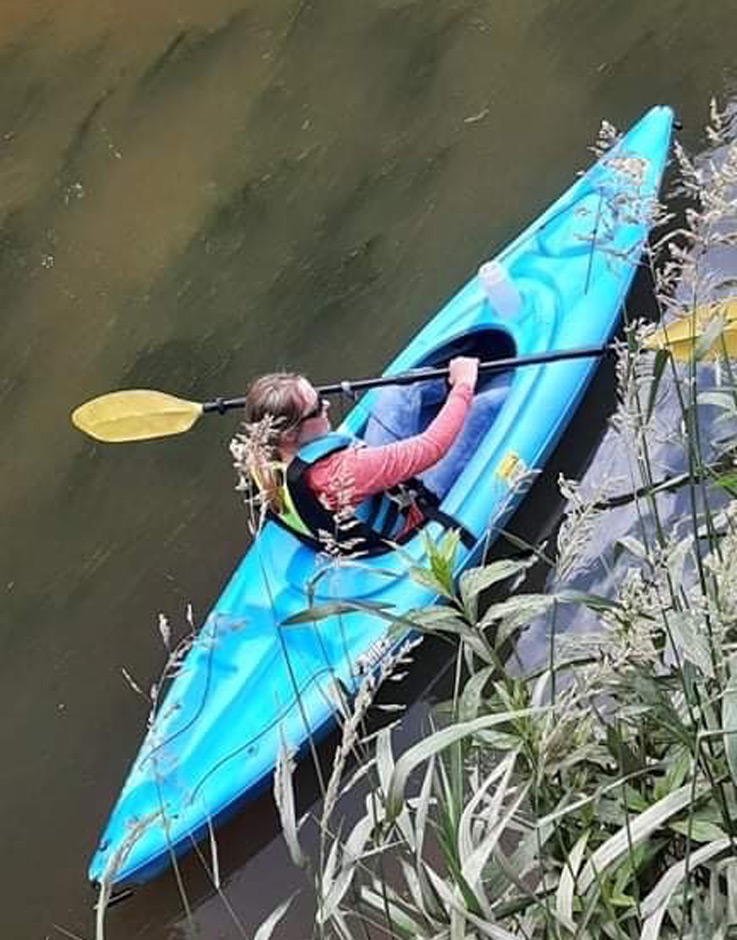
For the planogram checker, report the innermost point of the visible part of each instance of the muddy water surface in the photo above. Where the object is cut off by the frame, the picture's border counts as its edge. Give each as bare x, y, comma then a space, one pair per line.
191, 193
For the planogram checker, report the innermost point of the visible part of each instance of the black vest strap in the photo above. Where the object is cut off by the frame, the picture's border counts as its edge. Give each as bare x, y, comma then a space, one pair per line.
429, 505
319, 519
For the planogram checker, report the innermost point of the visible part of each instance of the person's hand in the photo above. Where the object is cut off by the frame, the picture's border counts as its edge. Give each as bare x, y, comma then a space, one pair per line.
463, 370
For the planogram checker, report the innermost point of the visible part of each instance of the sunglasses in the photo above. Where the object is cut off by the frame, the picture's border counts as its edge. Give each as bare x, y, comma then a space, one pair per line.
318, 409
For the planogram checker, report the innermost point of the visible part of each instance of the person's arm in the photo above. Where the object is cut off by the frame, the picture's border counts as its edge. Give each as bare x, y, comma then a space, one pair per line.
351, 475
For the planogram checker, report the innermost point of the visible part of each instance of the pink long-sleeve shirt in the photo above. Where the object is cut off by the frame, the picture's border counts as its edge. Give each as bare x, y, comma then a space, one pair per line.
345, 478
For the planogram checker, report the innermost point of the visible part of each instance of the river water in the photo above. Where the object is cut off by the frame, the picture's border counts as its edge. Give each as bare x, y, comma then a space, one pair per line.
192, 193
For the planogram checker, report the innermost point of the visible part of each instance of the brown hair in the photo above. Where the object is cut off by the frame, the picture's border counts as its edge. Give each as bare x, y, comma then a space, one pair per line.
274, 406
276, 396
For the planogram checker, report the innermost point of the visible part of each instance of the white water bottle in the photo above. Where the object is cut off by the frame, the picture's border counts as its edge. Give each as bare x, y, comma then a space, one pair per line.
500, 289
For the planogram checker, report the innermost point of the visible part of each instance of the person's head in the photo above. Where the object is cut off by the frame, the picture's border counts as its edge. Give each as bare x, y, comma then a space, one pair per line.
292, 405
282, 411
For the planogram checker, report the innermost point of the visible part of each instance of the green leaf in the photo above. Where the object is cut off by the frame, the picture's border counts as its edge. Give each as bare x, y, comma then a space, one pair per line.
449, 898
454, 624
432, 903
476, 863
384, 756
626, 758
499, 740
661, 359
699, 830
429, 579
633, 546
356, 841
473, 850
718, 398
631, 864
441, 556
433, 613
730, 869
438, 742
476, 580
727, 481
692, 644
707, 339
450, 623
564, 894
656, 903
285, 803
729, 718
678, 761
515, 612
470, 701
267, 927
402, 923
639, 828
422, 893
334, 609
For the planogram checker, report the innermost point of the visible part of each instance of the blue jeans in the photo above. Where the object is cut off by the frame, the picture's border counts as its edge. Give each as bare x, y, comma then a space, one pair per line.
403, 411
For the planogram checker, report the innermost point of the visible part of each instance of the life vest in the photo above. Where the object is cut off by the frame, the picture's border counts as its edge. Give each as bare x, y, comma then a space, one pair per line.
372, 523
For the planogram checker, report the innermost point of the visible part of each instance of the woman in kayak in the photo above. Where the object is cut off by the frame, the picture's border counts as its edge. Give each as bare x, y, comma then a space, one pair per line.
318, 482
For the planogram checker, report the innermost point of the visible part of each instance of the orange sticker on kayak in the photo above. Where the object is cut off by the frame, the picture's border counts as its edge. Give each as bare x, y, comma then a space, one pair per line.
511, 467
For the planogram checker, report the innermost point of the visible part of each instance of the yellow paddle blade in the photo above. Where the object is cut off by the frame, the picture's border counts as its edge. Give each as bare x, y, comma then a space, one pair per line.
135, 415
681, 336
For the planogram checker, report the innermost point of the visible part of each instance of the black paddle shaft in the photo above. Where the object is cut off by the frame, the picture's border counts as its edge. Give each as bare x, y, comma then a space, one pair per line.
222, 405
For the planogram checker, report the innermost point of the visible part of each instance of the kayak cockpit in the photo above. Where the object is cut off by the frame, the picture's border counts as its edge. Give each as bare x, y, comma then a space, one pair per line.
400, 412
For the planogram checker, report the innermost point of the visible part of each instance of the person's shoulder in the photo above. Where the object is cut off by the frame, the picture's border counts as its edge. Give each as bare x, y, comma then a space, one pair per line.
325, 446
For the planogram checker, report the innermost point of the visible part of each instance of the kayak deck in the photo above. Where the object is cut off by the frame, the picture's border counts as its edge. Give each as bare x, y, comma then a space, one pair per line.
250, 684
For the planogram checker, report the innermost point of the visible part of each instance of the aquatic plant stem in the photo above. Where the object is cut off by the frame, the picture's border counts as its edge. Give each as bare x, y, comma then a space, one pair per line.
237, 923
593, 243
687, 879
695, 465
292, 677
697, 469
172, 854
630, 846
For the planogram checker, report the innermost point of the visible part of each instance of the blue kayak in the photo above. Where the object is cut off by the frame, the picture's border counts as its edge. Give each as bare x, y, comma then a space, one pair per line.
250, 683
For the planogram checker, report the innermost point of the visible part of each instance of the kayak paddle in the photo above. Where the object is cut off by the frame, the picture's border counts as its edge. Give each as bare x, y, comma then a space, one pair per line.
145, 414
682, 336
141, 414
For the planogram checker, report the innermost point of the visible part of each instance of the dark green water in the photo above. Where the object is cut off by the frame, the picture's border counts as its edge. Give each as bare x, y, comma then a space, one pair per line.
194, 192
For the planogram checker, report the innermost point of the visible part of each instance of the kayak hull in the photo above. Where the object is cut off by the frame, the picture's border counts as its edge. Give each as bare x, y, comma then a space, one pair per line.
251, 685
